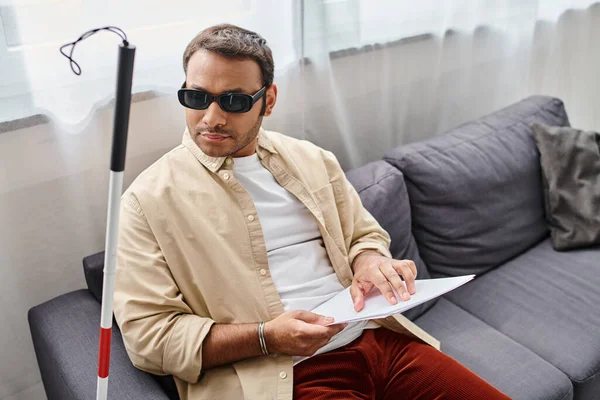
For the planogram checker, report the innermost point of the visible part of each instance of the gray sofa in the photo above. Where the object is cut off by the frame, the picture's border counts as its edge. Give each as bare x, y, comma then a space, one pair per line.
468, 201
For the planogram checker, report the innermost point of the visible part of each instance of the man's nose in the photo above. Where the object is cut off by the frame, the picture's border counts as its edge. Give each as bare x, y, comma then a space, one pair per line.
214, 116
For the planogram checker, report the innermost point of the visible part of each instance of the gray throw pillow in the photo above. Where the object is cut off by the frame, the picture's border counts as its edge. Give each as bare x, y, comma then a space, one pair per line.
570, 161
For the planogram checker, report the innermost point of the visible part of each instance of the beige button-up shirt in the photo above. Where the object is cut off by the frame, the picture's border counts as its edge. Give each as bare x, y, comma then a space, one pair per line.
192, 253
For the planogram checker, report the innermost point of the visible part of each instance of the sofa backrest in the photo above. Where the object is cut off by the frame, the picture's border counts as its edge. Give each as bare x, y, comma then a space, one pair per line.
476, 191
383, 193
93, 270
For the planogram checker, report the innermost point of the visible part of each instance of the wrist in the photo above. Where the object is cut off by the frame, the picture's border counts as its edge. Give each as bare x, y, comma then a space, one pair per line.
359, 259
268, 335
261, 339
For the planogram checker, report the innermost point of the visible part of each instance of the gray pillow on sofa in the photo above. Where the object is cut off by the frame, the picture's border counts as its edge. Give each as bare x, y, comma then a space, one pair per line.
570, 161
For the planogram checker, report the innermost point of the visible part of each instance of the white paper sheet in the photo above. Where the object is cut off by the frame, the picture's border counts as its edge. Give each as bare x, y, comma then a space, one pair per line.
376, 306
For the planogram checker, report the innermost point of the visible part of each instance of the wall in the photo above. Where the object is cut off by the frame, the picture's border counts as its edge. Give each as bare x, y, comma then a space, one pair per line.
53, 198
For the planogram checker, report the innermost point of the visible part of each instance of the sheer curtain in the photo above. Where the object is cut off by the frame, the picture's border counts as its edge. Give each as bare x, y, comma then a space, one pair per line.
37, 78
331, 56
356, 77
387, 72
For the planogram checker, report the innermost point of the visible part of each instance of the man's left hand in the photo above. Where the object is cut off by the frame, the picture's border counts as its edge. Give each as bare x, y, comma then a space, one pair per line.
372, 269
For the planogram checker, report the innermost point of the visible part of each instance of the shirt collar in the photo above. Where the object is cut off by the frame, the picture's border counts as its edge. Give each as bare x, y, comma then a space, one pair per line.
215, 163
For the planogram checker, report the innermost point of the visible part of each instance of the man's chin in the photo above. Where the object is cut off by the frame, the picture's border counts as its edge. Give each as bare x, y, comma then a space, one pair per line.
213, 150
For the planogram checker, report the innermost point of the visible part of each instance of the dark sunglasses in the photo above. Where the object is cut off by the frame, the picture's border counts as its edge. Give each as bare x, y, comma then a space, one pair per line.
229, 102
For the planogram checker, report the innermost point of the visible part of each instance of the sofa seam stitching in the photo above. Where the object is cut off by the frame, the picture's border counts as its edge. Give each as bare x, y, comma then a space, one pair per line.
571, 391
378, 181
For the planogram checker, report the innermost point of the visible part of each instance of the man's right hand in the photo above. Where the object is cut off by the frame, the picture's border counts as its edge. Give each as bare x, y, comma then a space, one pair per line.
299, 333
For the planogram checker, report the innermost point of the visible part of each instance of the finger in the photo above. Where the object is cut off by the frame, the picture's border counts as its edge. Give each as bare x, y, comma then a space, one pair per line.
404, 269
412, 266
337, 328
392, 276
382, 283
358, 298
311, 331
321, 332
312, 318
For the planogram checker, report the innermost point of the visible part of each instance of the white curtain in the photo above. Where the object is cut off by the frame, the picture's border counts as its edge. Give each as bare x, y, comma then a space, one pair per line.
386, 72
340, 63
37, 78
357, 77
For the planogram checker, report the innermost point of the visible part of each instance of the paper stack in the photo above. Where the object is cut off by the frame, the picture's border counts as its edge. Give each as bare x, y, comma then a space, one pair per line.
376, 306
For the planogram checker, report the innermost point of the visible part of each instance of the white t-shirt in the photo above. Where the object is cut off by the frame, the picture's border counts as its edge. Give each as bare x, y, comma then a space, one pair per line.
297, 257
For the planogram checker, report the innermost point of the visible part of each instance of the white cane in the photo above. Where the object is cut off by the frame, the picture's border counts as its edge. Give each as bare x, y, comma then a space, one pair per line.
117, 166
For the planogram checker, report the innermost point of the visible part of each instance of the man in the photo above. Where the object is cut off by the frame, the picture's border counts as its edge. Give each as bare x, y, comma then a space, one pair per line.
230, 239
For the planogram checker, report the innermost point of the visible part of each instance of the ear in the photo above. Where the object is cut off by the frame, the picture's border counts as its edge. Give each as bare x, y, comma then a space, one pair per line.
271, 99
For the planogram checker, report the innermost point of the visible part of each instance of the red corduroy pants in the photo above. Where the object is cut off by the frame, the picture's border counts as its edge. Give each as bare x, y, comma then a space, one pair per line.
386, 365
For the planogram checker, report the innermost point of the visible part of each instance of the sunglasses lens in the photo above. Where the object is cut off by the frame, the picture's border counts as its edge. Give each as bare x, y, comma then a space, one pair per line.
195, 99
200, 100
235, 103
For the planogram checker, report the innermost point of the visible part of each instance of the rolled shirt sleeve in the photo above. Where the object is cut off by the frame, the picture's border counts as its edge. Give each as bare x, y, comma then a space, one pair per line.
160, 332
368, 235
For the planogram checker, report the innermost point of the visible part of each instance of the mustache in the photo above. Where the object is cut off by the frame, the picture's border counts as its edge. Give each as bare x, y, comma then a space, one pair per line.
215, 131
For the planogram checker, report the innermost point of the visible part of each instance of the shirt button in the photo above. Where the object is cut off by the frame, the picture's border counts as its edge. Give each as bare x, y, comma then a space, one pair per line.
263, 271
250, 217
228, 161
225, 176
282, 375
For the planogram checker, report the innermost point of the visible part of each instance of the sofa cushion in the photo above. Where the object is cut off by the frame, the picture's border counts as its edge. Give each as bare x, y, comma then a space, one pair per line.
505, 364
65, 333
476, 192
382, 191
549, 302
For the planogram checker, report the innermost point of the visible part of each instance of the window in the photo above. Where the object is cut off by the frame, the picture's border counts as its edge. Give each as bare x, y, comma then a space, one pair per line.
35, 76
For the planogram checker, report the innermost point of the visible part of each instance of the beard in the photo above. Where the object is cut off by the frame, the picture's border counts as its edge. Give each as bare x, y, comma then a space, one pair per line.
234, 142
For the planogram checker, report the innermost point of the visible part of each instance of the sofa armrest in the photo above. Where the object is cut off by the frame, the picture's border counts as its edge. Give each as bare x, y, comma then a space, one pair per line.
65, 332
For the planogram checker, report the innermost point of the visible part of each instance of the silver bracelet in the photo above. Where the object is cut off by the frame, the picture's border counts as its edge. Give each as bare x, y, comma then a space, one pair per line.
261, 338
